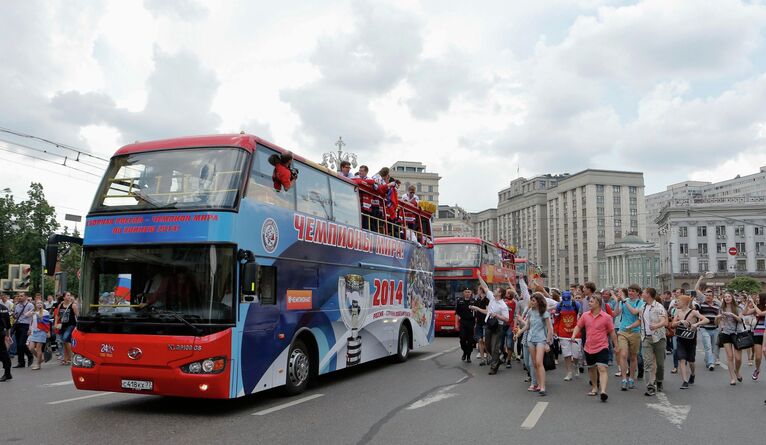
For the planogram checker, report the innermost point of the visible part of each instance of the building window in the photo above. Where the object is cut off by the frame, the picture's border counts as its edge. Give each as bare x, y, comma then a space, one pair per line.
617, 211
601, 245
741, 265
760, 265
599, 211
633, 201
758, 230
617, 222
420, 187
632, 190
683, 231
759, 248
701, 230
683, 248
721, 265
633, 212
720, 231
703, 266
702, 249
617, 234
599, 188
600, 222
430, 188
740, 248
600, 200
601, 233
739, 231
684, 267
616, 200
615, 189
720, 248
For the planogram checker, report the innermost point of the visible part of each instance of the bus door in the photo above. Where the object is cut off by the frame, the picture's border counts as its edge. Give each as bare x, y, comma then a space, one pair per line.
259, 316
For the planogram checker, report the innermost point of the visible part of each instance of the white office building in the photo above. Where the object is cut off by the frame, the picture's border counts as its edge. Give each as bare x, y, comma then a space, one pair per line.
426, 183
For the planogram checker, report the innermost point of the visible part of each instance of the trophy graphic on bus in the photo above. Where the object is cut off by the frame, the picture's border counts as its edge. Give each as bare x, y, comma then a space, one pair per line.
354, 304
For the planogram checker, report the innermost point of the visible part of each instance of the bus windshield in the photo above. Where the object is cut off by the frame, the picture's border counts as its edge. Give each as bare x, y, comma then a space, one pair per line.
176, 283
191, 178
457, 255
449, 291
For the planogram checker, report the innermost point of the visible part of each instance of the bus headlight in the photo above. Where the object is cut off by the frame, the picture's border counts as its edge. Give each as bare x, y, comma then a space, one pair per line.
214, 365
80, 361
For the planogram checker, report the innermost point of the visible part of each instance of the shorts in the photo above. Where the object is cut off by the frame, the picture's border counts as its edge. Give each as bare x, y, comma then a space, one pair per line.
629, 341
509, 339
479, 332
570, 348
725, 338
600, 358
758, 339
66, 334
686, 349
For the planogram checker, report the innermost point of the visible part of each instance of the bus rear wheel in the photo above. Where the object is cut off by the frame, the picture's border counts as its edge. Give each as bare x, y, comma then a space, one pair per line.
403, 345
298, 368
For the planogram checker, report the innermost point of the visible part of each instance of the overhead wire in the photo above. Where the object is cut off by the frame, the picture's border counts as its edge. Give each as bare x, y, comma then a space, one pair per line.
47, 170
50, 161
79, 151
41, 150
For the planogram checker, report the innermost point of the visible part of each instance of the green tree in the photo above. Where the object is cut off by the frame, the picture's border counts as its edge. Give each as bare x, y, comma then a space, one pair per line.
70, 263
745, 284
24, 230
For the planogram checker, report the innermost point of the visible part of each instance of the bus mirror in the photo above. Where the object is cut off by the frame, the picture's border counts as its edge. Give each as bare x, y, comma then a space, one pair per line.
51, 256
249, 278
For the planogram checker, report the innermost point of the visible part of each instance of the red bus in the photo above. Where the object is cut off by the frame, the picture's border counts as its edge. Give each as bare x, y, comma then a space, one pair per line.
457, 265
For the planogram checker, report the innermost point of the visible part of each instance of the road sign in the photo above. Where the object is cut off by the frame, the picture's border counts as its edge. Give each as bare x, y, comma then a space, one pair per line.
733, 251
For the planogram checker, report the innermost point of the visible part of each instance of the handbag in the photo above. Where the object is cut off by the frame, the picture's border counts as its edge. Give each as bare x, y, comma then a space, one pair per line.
743, 340
548, 363
684, 332
493, 324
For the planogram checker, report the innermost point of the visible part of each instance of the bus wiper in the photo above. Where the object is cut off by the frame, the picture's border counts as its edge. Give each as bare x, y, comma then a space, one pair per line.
178, 317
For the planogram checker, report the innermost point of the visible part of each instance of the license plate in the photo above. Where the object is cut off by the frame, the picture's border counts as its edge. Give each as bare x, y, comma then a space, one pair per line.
138, 385
447, 328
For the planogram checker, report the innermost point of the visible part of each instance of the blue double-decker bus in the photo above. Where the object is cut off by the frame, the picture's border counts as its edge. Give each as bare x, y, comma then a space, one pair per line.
200, 279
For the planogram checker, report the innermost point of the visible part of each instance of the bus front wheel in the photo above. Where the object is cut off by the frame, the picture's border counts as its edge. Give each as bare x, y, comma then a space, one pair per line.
298, 368
403, 346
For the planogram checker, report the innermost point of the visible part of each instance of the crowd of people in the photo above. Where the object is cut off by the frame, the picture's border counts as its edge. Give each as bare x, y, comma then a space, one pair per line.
631, 328
34, 329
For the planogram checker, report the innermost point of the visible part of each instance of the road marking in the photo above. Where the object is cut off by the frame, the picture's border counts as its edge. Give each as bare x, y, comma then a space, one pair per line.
287, 405
534, 415
432, 356
675, 414
440, 395
64, 383
101, 394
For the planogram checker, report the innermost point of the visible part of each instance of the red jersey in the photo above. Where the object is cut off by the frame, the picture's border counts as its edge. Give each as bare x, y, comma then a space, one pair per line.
281, 177
511, 303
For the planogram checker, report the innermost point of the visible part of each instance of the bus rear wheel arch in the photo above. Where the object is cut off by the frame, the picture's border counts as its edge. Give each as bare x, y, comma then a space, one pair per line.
302, 364
403, 342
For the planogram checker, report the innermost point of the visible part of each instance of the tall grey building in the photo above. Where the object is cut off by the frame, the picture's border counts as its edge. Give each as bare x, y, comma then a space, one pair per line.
414, 173
586, 212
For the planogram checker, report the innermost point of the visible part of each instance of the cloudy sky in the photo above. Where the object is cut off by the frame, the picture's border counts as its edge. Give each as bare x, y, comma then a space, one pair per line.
477, 91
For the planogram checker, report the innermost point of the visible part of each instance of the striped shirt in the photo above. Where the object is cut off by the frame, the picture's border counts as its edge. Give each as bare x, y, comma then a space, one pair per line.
710, 311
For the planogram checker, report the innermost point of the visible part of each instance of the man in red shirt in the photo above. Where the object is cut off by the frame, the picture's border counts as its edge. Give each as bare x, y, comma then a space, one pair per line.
599, 327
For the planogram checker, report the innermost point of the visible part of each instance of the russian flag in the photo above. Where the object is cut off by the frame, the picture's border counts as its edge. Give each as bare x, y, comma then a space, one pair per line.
123, 286
44, 324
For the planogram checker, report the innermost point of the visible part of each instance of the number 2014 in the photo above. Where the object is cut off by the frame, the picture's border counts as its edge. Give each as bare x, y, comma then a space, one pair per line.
387, 292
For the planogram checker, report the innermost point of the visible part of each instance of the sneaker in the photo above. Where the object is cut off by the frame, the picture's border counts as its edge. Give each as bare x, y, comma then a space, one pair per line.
674, 371
533, 388
508, 365
631, 384
604, 397
568, 377
756, 374
650, 391
618, 373
691, 379
478, 355
527, 379
541, 393
685, 385
718, 363
659, 386
624, 385
711, 368
5, 378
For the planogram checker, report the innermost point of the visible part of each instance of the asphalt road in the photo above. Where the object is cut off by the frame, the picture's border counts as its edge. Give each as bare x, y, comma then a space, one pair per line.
433, 398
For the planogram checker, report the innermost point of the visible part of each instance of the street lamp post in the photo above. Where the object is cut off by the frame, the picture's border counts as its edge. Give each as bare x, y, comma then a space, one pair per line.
333, 159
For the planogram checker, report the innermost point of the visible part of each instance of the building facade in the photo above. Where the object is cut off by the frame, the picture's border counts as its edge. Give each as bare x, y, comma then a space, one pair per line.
485, 225
452, 221
586, 212
723, 235
522, 214
426, 183
742, 186
629, 261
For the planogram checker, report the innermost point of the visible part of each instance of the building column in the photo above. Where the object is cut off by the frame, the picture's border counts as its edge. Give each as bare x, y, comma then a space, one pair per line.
750, 247
693, 260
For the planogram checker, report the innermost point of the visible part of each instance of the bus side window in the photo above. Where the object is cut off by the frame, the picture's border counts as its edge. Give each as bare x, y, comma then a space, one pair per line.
267, 285
345, 203
261, 186
313, 190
